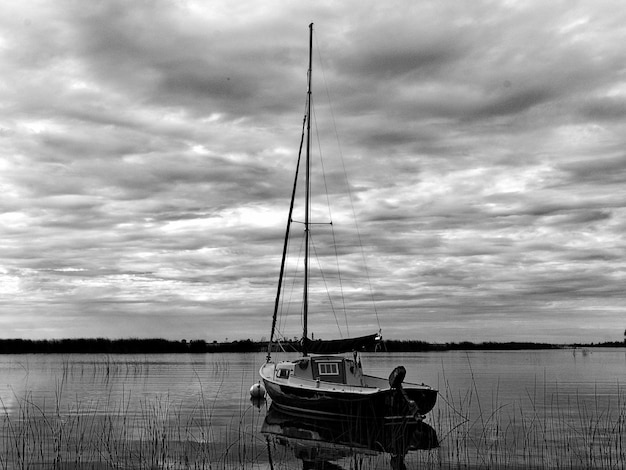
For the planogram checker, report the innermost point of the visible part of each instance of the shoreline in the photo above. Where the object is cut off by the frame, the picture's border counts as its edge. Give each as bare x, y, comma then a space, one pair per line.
163, 346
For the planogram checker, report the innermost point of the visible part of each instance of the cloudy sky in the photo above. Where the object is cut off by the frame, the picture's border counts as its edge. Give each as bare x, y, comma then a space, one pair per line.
147, 151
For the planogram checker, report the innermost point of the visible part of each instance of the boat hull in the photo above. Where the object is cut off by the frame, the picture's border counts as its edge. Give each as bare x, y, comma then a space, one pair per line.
380, 404
343, 437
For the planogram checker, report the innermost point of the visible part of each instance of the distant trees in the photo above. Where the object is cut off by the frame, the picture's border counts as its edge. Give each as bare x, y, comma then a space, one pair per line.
124, 346
91, 346
200, 346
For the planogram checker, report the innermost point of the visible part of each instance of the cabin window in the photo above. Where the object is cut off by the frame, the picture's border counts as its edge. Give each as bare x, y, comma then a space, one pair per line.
328, 368
282, 373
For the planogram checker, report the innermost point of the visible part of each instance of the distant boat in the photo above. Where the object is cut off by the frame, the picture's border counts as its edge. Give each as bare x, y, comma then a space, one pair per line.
323, 381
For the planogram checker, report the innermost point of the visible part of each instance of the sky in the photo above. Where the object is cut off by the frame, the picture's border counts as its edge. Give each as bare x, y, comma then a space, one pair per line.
147, 153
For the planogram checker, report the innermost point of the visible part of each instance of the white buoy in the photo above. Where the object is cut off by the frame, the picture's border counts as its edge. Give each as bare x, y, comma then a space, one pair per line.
257, 390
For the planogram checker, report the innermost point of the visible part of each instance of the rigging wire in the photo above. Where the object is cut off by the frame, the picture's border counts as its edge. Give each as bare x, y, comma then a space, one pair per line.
345, 173
278, 300
286, 302
332, 230
330, 299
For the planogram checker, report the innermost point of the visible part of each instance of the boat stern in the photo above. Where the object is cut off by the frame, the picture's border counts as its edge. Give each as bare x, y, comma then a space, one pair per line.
424, 397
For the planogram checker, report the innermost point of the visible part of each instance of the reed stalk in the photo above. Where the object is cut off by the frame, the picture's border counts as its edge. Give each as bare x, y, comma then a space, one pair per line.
543, 428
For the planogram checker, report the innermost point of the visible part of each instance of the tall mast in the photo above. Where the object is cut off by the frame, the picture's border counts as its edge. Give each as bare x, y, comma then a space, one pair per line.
285, 246
307, 205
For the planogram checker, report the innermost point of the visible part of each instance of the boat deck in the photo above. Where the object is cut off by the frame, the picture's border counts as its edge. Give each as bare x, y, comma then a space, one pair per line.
345, 377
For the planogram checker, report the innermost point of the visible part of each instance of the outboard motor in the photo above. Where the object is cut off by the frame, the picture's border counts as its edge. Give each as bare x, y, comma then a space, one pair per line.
400, 404
397, 377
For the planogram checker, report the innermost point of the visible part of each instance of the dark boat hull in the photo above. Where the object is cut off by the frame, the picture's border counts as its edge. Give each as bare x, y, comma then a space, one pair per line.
383, 404
396, 438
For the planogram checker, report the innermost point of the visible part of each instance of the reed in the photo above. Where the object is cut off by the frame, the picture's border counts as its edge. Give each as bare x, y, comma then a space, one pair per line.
540, 429
127, 433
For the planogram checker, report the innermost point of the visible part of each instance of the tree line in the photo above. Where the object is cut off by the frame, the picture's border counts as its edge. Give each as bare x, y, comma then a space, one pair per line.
200, 346
118, 346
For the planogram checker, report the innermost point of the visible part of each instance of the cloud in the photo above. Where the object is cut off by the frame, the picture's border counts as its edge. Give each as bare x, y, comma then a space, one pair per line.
148, 151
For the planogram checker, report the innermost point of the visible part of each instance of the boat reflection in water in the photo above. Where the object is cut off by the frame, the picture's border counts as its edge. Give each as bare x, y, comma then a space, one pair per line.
319, 443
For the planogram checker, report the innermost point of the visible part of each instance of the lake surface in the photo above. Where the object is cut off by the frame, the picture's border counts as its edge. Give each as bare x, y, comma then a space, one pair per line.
496, 409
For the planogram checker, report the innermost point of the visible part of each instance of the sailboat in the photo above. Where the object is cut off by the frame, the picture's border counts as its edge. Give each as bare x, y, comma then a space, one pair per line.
323, 381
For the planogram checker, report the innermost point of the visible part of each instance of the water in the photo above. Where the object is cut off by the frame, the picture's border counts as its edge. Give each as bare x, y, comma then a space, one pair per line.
526, 409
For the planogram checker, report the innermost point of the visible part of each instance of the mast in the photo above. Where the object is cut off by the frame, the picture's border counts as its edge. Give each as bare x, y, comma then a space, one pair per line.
307, 205
286, 244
